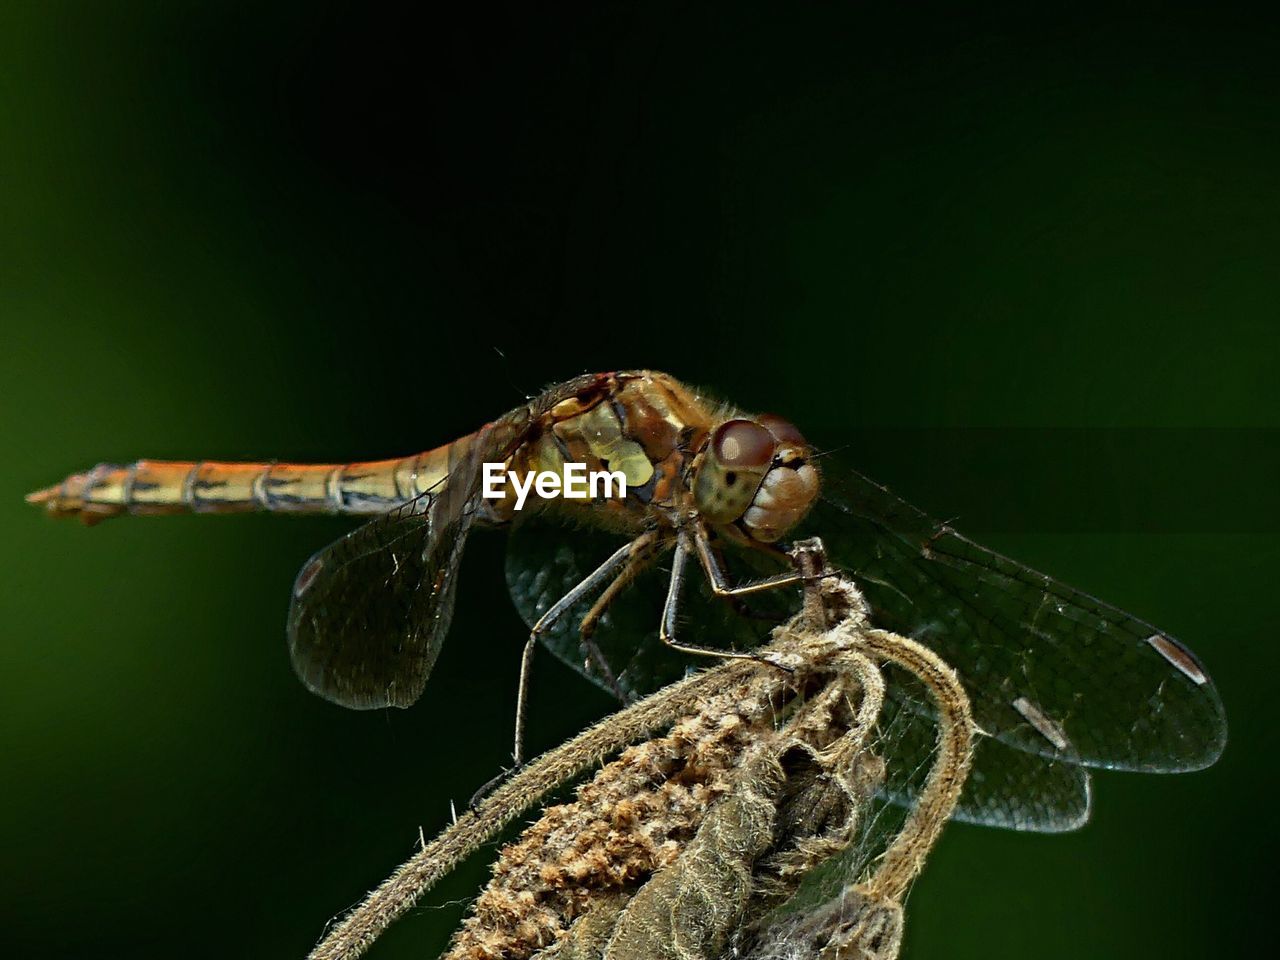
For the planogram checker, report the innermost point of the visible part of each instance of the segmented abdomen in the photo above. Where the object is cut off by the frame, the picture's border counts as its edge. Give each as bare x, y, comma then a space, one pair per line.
158, 486
630, 422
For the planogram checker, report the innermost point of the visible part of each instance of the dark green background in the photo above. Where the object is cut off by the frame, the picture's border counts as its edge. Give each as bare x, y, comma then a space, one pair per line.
313, 232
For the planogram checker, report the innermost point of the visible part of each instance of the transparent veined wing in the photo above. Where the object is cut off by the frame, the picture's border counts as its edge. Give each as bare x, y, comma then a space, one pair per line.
1049, 669
1058, 679
369, 612
1006, 787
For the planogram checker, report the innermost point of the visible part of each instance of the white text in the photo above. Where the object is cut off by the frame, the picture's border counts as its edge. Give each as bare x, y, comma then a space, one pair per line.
573, 483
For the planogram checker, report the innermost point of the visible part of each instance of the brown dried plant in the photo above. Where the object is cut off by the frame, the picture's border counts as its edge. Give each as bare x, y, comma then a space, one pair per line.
731, 788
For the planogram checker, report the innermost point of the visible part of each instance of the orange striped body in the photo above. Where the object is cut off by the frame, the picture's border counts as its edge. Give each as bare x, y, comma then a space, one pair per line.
159, 487
641, 423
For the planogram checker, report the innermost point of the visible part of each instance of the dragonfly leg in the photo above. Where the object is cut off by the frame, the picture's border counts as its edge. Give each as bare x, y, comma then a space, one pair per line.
736, 603
596, 657
720, 585
644, 550
667, 629
557, 610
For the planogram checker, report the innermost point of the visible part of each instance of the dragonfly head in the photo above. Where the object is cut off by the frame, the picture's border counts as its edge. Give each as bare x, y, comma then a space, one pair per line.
756, 474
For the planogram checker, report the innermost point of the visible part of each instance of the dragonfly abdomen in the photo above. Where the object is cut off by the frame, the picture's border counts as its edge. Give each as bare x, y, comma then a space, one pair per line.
204, 486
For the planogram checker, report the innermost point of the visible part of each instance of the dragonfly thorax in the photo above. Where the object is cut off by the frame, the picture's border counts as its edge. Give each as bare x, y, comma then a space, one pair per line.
755, 474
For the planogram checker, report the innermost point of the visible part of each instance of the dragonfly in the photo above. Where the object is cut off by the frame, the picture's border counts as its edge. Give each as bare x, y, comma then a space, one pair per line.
1060, 682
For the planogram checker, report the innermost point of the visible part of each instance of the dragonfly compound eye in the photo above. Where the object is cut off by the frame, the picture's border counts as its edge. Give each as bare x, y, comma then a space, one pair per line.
734, 464
784, 431
743, 444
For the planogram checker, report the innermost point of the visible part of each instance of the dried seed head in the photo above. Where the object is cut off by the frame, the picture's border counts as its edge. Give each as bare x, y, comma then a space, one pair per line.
690, 839
632, 819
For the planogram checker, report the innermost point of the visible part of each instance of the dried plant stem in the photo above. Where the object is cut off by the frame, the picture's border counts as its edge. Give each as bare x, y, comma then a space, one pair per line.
356, 932
905, 856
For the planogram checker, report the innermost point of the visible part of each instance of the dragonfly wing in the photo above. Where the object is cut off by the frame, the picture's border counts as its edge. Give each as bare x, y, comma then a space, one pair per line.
1006, 787
1016, 790
370, 610
1049, 670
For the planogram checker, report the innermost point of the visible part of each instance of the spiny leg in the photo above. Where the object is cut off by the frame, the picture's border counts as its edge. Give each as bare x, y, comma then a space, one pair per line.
667, 629
557, 610
737, 604
720, 585
644, 550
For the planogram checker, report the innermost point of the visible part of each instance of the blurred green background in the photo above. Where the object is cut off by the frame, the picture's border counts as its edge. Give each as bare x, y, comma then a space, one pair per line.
317, 231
